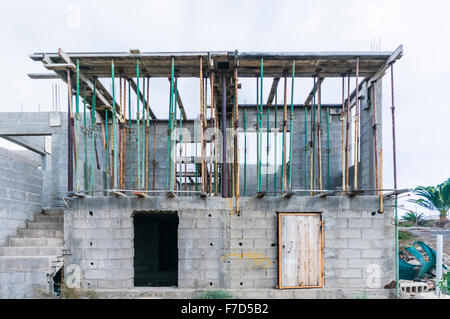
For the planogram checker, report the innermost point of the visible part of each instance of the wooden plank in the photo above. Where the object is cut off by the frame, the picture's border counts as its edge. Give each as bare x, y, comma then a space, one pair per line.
301, 245
313, 90
273, 89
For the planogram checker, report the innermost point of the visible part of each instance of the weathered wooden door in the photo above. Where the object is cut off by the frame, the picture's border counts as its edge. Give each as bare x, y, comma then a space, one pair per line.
301, 246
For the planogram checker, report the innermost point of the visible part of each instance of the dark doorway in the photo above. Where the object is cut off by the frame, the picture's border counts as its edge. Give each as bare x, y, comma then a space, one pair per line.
155, 249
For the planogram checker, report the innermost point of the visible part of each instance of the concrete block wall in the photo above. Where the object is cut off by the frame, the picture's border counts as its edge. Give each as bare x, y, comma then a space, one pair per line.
20, 190
219, 249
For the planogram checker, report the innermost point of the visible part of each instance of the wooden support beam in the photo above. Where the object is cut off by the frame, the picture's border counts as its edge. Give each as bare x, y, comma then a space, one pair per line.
314, 90
273, 89
398, 192
102, 93
43, 76
397, 54
141, 97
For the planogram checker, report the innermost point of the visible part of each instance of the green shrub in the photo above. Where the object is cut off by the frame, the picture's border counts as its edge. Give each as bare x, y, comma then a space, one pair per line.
405, 235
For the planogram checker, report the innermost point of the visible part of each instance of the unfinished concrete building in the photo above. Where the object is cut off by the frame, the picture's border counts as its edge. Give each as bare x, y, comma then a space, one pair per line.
281, 198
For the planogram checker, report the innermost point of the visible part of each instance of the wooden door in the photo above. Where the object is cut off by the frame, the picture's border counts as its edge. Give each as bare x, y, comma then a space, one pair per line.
300, 242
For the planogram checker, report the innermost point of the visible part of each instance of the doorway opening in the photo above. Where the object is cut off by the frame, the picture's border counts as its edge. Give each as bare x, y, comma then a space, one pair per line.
155, 249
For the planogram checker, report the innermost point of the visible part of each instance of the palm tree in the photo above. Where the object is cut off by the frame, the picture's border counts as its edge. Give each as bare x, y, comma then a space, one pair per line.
434, 198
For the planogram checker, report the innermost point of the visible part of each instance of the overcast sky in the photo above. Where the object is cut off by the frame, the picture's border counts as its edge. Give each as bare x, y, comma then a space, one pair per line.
421, 76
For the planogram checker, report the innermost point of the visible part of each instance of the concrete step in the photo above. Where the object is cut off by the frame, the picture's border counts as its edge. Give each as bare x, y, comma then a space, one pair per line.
31, 251
45, 226
49, 218
36, 242
53, 211
25, 264
39, 233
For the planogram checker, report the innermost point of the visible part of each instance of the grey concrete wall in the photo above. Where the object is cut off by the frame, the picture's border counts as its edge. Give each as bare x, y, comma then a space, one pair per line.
20, 190
218, 249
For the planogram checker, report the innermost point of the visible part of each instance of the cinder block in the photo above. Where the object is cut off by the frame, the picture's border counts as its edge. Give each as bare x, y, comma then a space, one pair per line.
359, 223
350, 273
373, 234
358, 244
336, 243
254, 233
336, 263
120, 253
349, 253
372, 253
95, 274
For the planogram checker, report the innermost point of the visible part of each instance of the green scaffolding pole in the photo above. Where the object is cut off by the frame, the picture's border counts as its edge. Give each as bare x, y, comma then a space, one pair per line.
175, 121
267, 149
106, 147
129, 136
245, 152
260, 125
283, 153
93, 137
275, 147
77, 129
169, 179
313, 137
86, 180
142, 154
257, 134
291, 126
328, 148
195, 155
114, 137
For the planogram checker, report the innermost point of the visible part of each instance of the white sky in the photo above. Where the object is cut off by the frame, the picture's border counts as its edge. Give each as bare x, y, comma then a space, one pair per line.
423, 27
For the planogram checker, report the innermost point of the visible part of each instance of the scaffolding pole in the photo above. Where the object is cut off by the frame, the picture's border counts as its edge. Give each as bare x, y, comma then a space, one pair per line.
276, 145
283, 171
138, 131
395, 182
356, 149
313, 140
86, 180
236, 140
245, 151
93, 137
260, 125
291, 125
343, 121
169, 166
77, 129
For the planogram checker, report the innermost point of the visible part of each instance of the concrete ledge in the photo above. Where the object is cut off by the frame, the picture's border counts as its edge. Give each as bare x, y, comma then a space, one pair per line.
178, 293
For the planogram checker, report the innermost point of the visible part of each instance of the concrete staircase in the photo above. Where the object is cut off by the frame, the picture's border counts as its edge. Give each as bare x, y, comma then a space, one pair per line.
33, 257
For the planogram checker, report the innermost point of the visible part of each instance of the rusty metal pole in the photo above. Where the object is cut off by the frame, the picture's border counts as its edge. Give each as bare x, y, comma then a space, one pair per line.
224, 134
357, 126
343, 119
69, 135
319, 134
395, 180
347, 146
